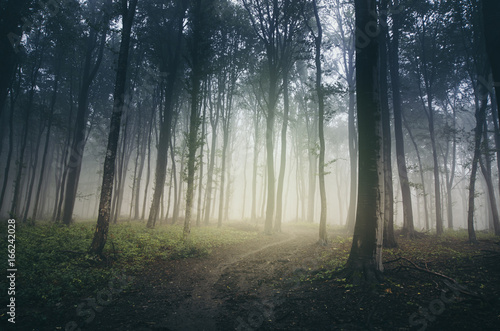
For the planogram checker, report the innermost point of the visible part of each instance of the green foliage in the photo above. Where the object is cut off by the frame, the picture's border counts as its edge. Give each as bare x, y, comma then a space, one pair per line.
53, 264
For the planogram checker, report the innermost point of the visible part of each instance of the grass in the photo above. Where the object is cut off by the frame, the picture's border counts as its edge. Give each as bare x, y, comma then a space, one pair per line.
53, 263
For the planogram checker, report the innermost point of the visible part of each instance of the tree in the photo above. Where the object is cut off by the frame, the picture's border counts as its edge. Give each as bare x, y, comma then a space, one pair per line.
408, 227
101, 231
345, 22
389, 239
318, 37
94, 49
169, 54
365, 257
491, 18
266, 17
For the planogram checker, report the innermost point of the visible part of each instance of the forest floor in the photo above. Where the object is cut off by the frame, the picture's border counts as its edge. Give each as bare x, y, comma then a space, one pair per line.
289, 282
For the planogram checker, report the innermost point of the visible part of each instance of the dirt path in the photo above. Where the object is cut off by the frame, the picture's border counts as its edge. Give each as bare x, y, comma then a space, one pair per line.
232, 287
257, 285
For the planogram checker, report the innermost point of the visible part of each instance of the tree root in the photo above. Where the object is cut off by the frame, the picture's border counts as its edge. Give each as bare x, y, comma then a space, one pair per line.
457, 286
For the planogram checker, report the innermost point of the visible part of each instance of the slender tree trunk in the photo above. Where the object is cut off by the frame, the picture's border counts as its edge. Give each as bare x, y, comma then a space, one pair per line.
273, 82
166, 123
408, 227
491, 19
202, 146
255, 164
318, 38
389, 239
244, 183
210, 174
223, 173
79, 131
31, 183
313, 159
421, 172
194, 123
281, 175
20, 163
478, 133
486, 170
101, 231
47, 140
9, 153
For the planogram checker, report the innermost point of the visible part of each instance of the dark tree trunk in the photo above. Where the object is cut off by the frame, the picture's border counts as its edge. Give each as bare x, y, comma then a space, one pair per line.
408, 226
12, 13
323, 237
10, 151
202, 151
24, 140
101, 231
79, 131
491, 19
47, 139
389, 239
481, 105
166, 121
366, 253
486, 170
421, 172
214, 119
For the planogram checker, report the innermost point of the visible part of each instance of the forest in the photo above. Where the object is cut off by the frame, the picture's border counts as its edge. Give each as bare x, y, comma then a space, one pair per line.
250, 164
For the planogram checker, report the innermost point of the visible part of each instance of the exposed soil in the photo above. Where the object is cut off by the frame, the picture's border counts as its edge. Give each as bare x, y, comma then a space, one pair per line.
257, 286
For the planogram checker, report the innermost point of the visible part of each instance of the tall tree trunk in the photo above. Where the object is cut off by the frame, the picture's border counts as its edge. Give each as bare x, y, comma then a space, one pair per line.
202, 149
408, 226
79, 131
491, 19
318, 38
256, 120
101, 231
486, 170
313, 159
166, 120
194, 124
11, 25
24, 140
31, 183
365, 257
281, 175
389, 239
481, 105
10, 151
437, 182
421, 172
47, 139
244, 183
214, 119
273, 83
148, 171
450, 173
223, 173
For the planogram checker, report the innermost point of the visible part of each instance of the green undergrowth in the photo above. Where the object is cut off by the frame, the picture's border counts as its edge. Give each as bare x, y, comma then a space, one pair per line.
53, 263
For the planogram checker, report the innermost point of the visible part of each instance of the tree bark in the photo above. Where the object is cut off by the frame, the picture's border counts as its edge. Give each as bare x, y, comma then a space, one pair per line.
318, 38
79, 131
478, 132
389, 239
101, 231
491, 19
408, 224
365, 257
